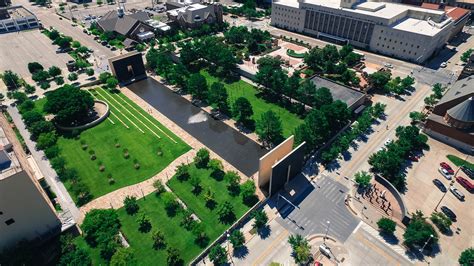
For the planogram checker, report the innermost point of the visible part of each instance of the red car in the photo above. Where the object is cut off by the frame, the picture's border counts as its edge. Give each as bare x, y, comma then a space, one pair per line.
413, 158
447, 167
465, 183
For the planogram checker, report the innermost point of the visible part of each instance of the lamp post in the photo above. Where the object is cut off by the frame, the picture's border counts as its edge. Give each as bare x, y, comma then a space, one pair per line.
327, 230
421, 250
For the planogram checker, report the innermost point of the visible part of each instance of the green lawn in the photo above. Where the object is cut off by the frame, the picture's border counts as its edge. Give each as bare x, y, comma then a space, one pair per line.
175, 235
143, 147
197, 203
241, 88
458, 162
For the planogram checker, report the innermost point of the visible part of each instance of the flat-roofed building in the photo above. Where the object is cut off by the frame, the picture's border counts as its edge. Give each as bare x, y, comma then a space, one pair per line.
25, 210
402, 31
353, 98
16, 18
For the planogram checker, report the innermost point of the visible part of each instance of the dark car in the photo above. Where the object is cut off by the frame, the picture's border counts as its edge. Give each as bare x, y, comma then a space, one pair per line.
440, 185
448, 213
468, 171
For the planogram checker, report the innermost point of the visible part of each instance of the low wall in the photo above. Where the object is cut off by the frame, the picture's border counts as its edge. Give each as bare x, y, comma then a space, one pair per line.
395, 194
90, 124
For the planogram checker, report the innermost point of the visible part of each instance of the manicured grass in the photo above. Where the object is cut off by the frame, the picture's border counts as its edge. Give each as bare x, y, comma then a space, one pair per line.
294, 54
241, 88
175, 235
458, 162
198, 204
142, 244
143, 147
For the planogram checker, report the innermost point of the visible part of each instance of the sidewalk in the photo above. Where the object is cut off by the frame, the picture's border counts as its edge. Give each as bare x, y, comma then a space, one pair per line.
65, 200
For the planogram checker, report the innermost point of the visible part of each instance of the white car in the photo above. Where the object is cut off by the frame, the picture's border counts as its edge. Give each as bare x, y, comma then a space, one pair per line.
457, 193
387, 65
445, 173
443, 65
387, 141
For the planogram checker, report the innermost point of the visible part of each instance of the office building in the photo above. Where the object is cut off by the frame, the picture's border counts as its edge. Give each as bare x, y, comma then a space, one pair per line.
401, 31
16, 18
25, 210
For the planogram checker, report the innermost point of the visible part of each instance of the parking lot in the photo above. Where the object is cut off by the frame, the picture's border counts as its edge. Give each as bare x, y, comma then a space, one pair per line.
19, 49
423, 195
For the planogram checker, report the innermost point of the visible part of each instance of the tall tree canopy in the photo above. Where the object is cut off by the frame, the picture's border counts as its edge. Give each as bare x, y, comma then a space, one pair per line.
70, 104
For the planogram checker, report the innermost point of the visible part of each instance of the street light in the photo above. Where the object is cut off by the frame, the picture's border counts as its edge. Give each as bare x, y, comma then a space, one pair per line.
421, 250
327, 230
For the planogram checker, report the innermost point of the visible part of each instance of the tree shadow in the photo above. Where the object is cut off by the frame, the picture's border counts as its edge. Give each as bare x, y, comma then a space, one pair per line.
346, 155
264, 232
211, 204
333, 166
241, 252
390, 238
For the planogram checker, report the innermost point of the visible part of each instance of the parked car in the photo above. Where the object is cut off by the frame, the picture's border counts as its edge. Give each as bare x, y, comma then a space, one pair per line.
457, 193
448, 213
387, 141
104, 43
468, 172
413, 158
447, 167
113, 48
63, 50
445, 173
443, 65
96, 38
440, 185
465, 183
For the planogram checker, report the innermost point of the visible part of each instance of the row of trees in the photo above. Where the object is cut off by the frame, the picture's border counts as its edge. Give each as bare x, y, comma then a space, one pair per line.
389, 160
14, 82
360, 127
433, 98
382, 80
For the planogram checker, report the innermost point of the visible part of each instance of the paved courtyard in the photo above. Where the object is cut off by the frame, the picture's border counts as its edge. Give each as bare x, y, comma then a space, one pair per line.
20, 48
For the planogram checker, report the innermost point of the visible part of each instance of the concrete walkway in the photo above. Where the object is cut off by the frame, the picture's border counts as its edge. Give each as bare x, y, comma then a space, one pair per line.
115, 198
65, 200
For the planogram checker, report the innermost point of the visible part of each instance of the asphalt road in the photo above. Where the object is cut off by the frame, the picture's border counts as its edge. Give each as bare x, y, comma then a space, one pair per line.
65, 200
325, 202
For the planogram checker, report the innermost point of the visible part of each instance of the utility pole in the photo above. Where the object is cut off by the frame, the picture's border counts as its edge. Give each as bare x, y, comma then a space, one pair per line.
327, 230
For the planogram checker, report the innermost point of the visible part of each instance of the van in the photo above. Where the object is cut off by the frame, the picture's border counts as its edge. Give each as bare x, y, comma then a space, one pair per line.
465, 183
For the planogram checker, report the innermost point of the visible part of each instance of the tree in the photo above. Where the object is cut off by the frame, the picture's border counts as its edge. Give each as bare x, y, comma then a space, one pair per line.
430, 100
40, 76
466, 55
70, 253
54, 71
64, 42
218, 255
202, 158
104, 76
159, 187
438, 90
158, 239
233, 181
59, 80
46, 140
260, 219
362, 178
29, 89
441, 221
209, 197
70, 104
173, 257
182, 172
40, 127
19, 97
386, 225
315, 130
144, 224
237, 239
407, 82
112, 82
314, 59
170, 202
197, 86
90, 72
131, 205
248, 193
100, 228
321, 97
418, 232
417, 116
269, 129
83, 50
242, 109
72, 76
467, 257
226, 213
217, 168
337, 114
75, 44
123, 257
379, 79
54, 34
218, 96
301, 249
34, 67
11, 79
27, 105
195, 182
32, 117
